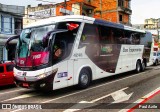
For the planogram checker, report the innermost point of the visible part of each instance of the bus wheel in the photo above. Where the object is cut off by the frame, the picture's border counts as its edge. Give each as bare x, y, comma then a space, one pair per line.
143, 66
84, 79
138, 66
156, 63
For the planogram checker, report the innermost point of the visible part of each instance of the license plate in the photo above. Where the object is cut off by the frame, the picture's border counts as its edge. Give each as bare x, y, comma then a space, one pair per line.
25, 85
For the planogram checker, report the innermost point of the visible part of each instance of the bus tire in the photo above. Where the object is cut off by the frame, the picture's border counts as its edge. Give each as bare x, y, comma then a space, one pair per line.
143, 66
84, 79
156, 63
138, 66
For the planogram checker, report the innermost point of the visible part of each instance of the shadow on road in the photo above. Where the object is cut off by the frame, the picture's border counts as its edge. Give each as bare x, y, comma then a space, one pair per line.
7, 87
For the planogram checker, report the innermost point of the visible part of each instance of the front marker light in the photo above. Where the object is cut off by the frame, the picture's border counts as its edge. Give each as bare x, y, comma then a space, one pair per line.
41, 76
44, 75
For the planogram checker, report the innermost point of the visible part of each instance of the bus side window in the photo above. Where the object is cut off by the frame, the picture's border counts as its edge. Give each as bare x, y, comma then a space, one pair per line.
110, 37
135, 39
106, 35
90, 35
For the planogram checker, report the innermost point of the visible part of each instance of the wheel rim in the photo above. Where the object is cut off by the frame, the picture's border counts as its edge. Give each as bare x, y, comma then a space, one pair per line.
84, 79
143, 66
138, 67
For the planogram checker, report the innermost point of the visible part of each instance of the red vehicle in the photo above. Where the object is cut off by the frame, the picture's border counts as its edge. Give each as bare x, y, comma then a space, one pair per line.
6, 73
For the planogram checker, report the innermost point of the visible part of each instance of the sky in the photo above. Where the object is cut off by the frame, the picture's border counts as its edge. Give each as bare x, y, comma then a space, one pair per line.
141, 9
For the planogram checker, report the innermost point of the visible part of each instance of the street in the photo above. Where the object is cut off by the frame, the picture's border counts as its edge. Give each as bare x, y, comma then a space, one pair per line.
116, 93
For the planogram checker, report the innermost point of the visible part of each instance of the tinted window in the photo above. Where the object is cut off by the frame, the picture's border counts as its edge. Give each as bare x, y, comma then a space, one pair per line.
9, 68
110, 35
106, 35
90, 35
1, 69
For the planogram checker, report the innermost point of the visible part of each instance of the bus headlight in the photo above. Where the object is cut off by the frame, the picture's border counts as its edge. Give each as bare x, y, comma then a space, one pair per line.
43, 75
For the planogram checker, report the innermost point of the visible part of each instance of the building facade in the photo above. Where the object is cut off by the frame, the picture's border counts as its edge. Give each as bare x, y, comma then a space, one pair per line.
118, 11
72, 7
152, 23
11, 23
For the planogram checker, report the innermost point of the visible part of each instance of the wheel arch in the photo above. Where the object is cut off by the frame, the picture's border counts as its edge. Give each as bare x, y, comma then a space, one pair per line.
89, 68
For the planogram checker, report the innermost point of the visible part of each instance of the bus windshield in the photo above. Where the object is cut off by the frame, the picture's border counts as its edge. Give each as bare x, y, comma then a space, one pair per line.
37, 45
31, 49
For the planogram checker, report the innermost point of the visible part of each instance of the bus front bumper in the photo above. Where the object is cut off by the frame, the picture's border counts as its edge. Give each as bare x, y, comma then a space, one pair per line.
44, 83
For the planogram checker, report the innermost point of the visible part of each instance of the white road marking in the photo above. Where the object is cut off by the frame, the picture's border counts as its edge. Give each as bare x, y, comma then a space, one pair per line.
113, 93
88, 89
156, 68
118, 94
92, 103
140, 100
92, 88
80, 106
22, 96
122, 97
16, 110
11, 91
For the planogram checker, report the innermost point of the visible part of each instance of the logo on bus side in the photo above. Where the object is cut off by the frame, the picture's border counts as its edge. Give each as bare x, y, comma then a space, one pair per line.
62, 74
132, 49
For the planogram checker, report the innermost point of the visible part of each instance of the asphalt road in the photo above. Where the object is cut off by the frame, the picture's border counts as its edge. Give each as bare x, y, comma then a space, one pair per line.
111, 94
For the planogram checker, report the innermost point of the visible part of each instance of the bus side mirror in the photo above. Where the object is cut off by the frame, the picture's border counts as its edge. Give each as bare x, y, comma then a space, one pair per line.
10, 39
72, 26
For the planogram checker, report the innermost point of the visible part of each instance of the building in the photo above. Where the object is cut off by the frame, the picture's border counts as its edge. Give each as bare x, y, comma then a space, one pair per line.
138, 26
118, 11
11, 23
72, 7
152, 23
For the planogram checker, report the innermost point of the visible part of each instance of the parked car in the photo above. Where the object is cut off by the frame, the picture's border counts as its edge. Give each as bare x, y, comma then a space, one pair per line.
6, 73
156, 58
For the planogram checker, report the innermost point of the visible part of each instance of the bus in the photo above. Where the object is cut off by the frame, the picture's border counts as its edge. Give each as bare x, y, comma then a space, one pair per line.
88, 49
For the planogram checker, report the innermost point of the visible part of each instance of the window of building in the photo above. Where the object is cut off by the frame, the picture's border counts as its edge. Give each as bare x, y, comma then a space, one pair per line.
121, 3
120, 17
6, 25
1, 53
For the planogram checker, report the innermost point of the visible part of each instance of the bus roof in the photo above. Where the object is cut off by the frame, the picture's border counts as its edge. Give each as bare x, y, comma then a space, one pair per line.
80, 18
134, 29
56, 19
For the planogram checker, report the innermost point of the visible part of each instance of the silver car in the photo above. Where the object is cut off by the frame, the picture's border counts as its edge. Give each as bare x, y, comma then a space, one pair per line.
156, 58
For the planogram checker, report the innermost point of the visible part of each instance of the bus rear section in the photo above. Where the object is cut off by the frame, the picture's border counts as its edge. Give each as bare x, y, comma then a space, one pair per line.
148, 42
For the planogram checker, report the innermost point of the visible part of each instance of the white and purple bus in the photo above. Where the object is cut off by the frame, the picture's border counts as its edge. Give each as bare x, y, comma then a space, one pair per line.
90, 49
